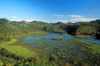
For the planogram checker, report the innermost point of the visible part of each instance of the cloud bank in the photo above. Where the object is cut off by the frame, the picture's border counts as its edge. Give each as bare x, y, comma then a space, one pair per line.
65, 21
1, 15
83, 19
28, 20
76, 20
12, 17
75, 15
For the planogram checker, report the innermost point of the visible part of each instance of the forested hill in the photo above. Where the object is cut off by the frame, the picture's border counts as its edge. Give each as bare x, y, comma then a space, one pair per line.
84, 28
9, 28
13, 27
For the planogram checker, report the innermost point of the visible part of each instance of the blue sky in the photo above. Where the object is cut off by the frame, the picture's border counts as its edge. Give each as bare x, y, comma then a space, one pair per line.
50, 11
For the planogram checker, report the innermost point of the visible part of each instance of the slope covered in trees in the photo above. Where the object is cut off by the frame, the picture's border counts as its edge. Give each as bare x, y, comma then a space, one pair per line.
11, 28
84, 28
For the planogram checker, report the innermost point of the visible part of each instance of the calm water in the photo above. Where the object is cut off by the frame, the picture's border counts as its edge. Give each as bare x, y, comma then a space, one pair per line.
54, 46
84, 39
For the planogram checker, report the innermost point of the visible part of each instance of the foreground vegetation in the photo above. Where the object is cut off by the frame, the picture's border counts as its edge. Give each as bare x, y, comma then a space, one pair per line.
7, 58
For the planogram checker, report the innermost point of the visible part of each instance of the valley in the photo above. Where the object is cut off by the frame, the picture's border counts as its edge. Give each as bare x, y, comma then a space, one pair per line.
47, 45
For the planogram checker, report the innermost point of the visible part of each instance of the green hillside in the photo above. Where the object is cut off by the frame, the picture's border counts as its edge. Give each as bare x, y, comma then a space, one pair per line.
84, 28
11, 28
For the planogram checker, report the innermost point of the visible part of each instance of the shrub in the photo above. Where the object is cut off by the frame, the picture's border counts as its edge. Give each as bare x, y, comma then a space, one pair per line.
1, 64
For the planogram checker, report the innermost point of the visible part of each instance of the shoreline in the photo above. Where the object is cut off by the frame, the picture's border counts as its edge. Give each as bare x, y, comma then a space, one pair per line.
85, 36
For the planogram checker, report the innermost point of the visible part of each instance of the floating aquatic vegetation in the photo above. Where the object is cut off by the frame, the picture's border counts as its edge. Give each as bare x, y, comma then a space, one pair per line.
54, 42
80, 59
62, 41
44, 42
58, 45
68, 52
55, 47
37, 45
56, 38
75, 62
47, 45
66, 57
39, 50
61, 50
90, 57
63, 56
47, 48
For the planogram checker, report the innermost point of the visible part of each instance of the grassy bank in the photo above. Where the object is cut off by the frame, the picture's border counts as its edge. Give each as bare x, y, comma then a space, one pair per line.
93, 46
35, 34
85, 36
22, 50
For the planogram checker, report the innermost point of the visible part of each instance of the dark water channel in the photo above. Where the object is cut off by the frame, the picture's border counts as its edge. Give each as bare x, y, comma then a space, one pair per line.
68, 49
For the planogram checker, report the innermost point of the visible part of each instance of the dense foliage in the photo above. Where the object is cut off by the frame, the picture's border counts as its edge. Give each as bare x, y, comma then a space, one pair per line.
84, 28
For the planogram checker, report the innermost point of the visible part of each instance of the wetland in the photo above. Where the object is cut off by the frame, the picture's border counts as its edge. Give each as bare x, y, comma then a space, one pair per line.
73, 51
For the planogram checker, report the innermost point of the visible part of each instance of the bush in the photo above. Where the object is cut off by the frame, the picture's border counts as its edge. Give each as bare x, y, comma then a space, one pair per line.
4, 52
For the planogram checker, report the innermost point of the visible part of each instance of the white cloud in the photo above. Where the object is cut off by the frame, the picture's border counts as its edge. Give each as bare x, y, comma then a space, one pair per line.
11, 17
1, 15
83, 19
14, 17
75, 15
28, 20
58, 15
75, 20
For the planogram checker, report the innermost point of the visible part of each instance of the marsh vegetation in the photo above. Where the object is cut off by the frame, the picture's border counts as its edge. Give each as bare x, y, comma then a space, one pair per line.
28, 45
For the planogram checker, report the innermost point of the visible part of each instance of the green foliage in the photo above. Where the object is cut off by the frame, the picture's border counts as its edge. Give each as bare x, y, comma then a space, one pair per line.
95, 48
15, 60
85, 30
58, 26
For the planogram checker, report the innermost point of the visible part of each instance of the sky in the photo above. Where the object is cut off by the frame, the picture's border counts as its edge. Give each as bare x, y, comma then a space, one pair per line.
50, 11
